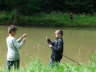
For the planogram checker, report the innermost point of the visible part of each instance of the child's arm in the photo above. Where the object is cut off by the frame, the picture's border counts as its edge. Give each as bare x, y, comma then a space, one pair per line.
17, 44
50, 43
21, 38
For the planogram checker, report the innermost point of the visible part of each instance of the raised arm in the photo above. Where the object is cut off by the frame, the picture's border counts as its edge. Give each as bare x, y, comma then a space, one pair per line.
17, 44
21, 38
50, 43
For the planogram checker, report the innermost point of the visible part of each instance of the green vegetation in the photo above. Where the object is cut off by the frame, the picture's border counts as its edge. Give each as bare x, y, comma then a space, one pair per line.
37, 66
39, 12
49, 20
32, 6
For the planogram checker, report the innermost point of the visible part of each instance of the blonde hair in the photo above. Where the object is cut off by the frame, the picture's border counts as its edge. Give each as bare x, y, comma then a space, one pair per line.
59, 31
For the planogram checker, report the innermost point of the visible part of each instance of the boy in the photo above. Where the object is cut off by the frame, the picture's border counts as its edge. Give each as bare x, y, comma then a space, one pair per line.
57, 47
13, 45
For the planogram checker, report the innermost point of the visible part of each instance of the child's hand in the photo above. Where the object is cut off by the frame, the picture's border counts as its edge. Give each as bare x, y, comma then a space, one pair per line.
48, 39
50, 46
24, 35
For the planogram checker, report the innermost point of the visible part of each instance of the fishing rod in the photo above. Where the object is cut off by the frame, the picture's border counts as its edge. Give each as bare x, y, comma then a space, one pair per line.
48, 40
72, 60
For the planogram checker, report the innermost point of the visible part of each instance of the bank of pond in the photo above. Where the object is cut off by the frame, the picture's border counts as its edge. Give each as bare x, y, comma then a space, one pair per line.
49, 19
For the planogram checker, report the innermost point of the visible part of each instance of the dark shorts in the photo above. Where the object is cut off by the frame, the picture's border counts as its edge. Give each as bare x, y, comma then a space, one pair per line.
54, 62
11, 64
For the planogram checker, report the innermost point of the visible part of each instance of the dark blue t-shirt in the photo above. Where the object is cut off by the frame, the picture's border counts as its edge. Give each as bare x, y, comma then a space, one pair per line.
57, 49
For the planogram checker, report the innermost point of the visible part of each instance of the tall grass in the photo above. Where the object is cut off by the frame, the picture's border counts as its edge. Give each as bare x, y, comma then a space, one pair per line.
37, 66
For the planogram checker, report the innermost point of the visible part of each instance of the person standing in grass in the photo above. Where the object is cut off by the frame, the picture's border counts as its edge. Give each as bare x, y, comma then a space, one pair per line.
57, 47
13, 45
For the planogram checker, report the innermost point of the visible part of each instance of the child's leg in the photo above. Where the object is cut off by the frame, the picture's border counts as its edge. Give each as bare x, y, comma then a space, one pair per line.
9, 65
17, 64
59, 60
52, 61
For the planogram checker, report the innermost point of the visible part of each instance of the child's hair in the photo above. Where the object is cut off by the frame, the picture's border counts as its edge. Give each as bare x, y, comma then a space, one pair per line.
12, 28
59, 32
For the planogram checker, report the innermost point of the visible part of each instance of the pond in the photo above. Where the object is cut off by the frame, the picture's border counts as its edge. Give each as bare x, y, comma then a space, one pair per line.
80, 44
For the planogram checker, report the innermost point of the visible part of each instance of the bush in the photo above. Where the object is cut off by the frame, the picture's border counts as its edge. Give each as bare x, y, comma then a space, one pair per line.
49, 20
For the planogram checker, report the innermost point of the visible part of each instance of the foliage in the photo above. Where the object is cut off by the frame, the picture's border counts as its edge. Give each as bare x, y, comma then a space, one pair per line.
35, 6
37, 66
48, 20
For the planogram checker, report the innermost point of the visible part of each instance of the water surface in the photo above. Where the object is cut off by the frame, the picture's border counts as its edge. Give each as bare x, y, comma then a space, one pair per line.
80, 44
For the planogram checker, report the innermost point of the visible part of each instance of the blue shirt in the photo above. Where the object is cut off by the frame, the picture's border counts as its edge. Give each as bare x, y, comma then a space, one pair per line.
57, 49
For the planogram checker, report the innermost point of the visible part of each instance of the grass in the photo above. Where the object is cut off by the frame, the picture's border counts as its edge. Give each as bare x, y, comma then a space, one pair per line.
37, 66
50, 20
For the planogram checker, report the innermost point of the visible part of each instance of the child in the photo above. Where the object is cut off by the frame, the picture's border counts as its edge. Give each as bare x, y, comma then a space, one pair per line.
13, 45
57, 47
